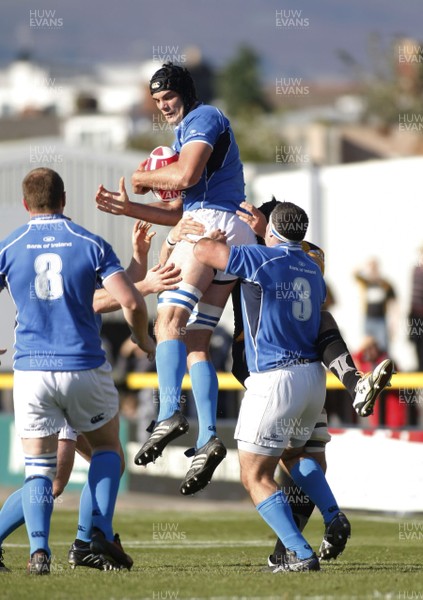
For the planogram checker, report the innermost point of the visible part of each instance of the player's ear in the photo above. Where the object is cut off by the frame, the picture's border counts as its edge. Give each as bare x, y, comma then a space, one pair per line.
64, 199
25, 204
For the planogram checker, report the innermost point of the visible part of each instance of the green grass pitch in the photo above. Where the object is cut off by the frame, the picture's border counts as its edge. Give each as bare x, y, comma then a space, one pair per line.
181, 555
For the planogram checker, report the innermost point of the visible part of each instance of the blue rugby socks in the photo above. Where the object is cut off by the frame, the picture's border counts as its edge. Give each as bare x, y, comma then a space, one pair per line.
309, 476
205, 389
85, 517
171, 362
277, 513
103, 481
37, 503
11, 515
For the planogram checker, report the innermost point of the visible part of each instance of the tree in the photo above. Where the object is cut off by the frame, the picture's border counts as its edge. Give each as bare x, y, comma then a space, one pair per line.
393, 80
240, 86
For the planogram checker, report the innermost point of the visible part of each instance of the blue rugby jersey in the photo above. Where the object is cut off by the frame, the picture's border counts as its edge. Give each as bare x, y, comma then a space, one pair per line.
222, 183
51, 268
281, 295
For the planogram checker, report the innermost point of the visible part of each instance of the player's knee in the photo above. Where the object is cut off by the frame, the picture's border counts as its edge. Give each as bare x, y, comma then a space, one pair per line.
195, 356
246, 480
251, 477
171, 314
319, 457
173, 327
291, 456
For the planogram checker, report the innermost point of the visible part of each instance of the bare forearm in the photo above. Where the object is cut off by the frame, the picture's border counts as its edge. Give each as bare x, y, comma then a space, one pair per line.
137, 269
104, 302
180, 175
143, 287
171, 177
159, 213
137, 320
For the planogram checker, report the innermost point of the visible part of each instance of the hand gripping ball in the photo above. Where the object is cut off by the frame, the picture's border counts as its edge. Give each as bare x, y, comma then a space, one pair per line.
161, 157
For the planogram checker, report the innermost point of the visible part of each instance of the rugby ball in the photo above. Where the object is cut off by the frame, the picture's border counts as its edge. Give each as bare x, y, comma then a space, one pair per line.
161, 157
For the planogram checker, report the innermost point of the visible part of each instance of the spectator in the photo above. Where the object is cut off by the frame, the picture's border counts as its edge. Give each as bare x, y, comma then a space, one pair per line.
415, 324
378, 296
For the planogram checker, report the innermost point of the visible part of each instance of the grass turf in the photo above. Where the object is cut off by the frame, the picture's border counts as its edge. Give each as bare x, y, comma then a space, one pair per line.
180, 555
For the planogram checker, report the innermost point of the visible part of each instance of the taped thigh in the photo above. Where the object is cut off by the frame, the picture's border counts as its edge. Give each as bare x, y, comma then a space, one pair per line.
186, 297
43, 465
320, 436
204, 316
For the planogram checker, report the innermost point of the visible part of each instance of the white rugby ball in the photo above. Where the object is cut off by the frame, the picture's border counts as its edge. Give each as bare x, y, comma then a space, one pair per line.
161, 157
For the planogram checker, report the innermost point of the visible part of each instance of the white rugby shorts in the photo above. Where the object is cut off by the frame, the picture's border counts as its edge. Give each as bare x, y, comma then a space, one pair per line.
68, 433
237, 233
281, 408
44, 401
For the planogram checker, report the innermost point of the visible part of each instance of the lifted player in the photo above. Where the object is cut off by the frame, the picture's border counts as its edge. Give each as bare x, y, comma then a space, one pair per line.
210, 173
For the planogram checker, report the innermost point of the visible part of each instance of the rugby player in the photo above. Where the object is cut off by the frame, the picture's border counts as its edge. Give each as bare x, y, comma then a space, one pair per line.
210, 174
11, 515
267, 328
364, 390
51, 267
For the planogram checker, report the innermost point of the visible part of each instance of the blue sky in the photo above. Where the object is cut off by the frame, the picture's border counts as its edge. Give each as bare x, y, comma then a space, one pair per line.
304, 44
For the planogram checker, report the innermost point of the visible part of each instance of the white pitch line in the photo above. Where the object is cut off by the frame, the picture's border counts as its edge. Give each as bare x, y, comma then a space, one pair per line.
250, 598
398, 519
172, 544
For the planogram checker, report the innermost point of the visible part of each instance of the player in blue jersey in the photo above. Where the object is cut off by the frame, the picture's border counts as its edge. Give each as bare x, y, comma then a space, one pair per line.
155, 280
282, 293
50, 267
334, 353
209, 172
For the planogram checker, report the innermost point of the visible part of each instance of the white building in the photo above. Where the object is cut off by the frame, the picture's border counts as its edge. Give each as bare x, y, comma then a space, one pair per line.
29, 86
114, 91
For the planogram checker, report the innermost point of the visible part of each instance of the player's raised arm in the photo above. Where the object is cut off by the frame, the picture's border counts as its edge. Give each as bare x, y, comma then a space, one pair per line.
118, 203
141, 243
134, 309
103, 302
158, 279
254, 218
